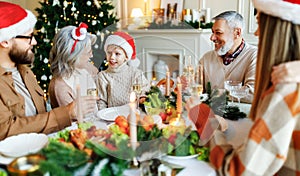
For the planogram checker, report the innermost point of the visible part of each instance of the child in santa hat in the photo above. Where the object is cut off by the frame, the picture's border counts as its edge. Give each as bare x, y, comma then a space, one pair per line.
116, 82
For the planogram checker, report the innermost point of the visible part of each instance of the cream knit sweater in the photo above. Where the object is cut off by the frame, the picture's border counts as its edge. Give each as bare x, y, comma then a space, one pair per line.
241, 69
116, 85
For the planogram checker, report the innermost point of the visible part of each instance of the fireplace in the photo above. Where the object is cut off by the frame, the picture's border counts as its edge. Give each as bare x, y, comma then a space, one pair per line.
171, 46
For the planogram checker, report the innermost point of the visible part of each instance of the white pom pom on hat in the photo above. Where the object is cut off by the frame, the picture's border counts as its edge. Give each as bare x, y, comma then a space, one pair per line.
127, 43
14, 20
288, 10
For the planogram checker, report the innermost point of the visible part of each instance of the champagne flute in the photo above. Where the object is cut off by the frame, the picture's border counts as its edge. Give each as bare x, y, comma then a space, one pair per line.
188, 72
197, 86
92, 90
137, 88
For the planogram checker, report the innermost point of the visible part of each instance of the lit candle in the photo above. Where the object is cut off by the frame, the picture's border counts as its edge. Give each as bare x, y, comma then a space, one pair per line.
179, 96
132, 120
167, 93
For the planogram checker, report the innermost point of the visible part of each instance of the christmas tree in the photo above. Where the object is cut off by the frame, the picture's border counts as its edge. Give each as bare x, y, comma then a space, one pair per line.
56, 14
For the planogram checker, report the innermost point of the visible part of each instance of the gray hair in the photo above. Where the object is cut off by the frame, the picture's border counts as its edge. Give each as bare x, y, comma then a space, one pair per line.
61, 59
234, 19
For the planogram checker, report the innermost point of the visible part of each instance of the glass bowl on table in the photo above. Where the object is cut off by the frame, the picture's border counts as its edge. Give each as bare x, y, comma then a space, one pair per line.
26, 165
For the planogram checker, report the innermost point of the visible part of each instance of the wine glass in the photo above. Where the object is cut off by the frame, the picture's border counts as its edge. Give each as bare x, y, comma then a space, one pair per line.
92, 90
239, 93
231, 84
188, 72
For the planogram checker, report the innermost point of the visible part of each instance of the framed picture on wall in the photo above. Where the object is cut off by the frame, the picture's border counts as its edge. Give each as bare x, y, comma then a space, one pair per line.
172, 7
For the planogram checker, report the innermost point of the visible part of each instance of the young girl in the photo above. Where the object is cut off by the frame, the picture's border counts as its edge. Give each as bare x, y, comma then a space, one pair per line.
116, 83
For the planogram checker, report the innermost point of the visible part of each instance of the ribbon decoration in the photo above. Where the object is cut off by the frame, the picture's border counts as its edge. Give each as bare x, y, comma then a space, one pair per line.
79, 33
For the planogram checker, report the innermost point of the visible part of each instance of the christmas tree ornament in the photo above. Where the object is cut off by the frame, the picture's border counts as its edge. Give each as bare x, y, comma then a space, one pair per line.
46, 61
42, 30
88, 3
101, 14
65, 4
96, 46
56, 2
44, 78
56, 27
76, 16
73, 9
94, 22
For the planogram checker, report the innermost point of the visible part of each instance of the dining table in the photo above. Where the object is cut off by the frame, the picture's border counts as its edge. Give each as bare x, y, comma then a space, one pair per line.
236, 134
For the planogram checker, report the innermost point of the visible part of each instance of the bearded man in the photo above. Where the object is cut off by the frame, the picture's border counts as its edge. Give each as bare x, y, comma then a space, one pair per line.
22, 101
232, 58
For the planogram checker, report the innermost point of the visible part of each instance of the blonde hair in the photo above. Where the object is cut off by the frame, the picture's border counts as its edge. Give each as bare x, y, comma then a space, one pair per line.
278, 43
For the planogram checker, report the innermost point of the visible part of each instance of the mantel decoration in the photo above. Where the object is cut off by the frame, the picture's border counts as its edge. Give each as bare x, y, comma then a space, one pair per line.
180, 25
55, 14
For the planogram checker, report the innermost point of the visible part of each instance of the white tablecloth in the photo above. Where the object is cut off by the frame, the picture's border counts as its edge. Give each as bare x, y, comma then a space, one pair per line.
192, 167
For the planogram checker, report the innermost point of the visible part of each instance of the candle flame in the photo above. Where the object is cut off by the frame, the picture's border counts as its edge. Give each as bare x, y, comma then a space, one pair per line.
132, 97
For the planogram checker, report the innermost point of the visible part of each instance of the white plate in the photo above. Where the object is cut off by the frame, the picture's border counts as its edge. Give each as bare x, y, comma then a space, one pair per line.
110, 114
6, 160
23, 144
182, 157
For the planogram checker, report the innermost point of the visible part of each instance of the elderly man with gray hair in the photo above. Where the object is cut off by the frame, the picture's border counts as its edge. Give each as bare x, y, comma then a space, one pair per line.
233, 58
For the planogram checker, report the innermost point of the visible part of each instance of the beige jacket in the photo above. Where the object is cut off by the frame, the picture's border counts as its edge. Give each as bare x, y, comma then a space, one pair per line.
12, 108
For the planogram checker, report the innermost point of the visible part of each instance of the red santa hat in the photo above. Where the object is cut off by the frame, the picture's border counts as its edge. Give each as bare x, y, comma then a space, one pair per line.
288, 10
127, 43
14, 20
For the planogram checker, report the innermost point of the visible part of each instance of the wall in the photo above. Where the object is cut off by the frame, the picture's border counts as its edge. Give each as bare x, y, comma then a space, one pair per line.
28, 4
244, 7
124, 8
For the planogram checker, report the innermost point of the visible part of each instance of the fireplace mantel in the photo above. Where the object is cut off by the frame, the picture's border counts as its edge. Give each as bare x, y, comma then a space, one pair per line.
170, 45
